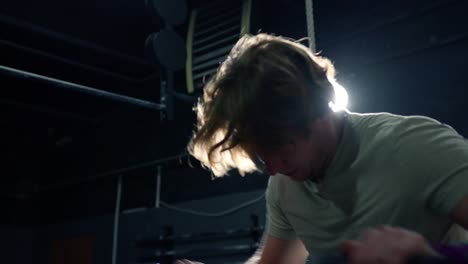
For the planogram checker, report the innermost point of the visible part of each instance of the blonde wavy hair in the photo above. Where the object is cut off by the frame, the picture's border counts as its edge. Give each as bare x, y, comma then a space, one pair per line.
267, 89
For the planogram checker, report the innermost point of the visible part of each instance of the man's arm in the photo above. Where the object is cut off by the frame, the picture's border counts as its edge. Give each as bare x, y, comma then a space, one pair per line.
277, 251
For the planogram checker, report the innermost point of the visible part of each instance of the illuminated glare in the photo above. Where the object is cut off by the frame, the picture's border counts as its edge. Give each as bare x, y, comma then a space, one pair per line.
341, 98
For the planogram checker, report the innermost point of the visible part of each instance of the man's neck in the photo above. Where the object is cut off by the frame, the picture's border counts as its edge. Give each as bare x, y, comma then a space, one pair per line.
337, 121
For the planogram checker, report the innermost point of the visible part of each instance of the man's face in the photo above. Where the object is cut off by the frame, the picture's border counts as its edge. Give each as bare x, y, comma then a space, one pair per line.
302, 158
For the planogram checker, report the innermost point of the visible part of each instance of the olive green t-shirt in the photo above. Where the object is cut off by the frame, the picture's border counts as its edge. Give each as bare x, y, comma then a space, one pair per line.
406, 171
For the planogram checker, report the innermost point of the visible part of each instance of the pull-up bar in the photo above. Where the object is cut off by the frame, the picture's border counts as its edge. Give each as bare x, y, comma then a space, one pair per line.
81, 88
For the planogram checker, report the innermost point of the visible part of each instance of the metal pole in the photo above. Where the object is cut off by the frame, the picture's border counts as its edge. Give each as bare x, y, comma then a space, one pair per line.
49, 111
116, 220
310, 24
81, 88
112, 173
158, 188
77, 64
69, 39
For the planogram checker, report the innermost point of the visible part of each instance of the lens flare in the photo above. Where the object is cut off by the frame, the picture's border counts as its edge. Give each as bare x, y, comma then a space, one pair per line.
341, 98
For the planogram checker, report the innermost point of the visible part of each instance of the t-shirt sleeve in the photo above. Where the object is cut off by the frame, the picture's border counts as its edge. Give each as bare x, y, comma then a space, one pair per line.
437, 159
277, 223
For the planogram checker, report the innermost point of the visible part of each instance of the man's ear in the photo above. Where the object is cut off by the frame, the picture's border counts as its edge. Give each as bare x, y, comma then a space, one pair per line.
320, 121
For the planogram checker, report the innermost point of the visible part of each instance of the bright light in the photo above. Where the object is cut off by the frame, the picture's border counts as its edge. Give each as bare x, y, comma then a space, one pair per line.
341, 98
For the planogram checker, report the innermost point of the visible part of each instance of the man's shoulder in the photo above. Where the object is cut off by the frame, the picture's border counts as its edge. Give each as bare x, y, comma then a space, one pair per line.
387, 130
388, 121
277, 180
402, 133
371, 120
279, 183
272, 188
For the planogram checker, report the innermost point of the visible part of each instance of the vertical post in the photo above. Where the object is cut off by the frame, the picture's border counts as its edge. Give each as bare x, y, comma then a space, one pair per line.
158, 188
246, 15
167, 94
310, 24
189, 47
116, 220
163, 95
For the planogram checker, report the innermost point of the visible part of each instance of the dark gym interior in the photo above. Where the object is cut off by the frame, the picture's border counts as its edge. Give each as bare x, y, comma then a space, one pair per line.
96, 112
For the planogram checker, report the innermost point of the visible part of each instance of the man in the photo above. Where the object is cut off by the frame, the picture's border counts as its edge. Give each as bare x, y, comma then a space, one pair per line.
334, 174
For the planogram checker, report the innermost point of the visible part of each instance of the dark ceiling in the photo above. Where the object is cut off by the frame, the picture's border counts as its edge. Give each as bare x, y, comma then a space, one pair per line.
62, 150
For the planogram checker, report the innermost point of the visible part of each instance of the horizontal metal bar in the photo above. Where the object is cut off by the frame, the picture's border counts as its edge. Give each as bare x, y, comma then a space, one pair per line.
216, 53
418, 50
223, 24
81, 88
134, 210
205, 73
79, 42
215, 7
216, 43
47, 110
15, 196
236, 28
210, 63
112, 173
203, 23
184, 97
198, 238
74, 63
378, 25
